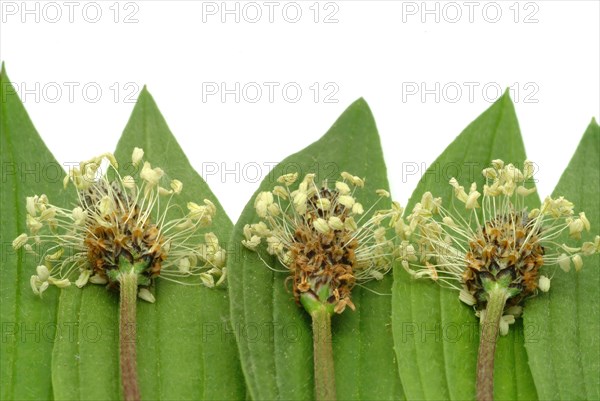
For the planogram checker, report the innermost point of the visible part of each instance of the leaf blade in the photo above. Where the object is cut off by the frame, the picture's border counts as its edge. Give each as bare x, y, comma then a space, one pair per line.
566, 324
181, 352
283, 370
431, 326
28, 323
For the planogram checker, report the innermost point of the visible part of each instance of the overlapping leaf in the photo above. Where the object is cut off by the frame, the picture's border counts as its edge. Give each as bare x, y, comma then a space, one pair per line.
28, 323
436, 336
273, 333
186, 349
562, 333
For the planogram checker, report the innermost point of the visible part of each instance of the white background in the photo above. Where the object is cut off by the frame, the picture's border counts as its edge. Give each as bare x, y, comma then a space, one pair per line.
547, 51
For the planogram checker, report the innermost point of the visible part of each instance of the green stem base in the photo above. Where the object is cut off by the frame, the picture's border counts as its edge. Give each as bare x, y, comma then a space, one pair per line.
490, 326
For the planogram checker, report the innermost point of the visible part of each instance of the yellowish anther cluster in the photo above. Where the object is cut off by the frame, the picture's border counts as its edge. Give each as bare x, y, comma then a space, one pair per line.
500, 237
202, 214
505, 180
151, 175
470, 199
320, 235
42, 280
86, 174
120, 217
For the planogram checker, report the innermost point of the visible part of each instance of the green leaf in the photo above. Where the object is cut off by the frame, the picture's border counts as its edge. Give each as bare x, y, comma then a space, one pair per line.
28, 322
185, 345
273, 332
436, 336
562, 337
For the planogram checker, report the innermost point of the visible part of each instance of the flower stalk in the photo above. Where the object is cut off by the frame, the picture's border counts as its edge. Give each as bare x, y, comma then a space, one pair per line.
320, 311
127, 331
323, 355
490, 327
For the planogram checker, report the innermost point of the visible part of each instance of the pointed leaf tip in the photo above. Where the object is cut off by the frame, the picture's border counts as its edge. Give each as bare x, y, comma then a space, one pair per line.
4, 76
360, 103
506, 95
143, 96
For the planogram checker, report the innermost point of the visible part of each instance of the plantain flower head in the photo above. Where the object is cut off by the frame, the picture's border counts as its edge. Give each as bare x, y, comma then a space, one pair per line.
117, 220
323, 237
504, 246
